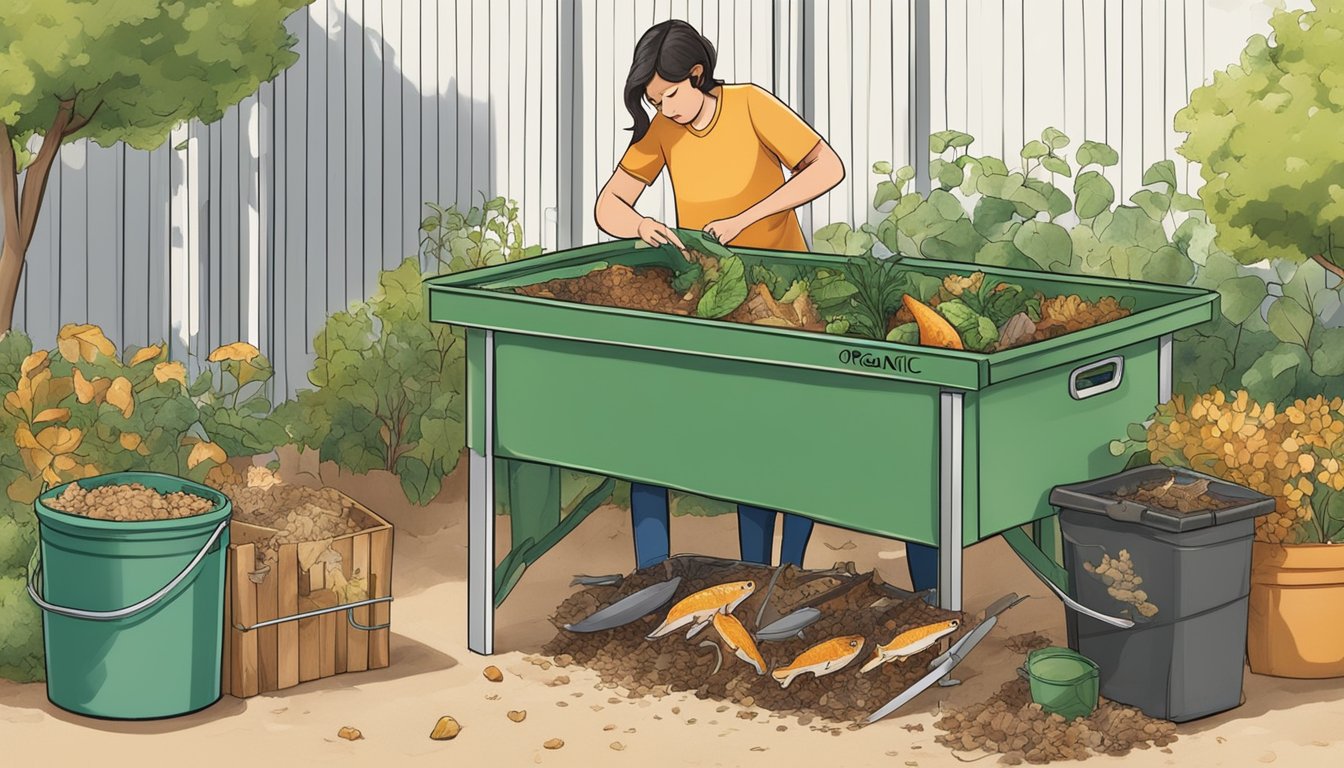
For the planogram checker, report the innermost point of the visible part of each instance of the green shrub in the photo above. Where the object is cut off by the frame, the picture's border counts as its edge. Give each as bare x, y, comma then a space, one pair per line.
389, 384
1280, 334
389, 389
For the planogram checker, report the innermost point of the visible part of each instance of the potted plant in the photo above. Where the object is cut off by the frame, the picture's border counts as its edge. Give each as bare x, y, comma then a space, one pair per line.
1296, 455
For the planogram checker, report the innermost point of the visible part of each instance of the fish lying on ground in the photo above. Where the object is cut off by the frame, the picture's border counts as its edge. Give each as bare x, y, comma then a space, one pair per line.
698, 609
821, 659
737, 638
910, 642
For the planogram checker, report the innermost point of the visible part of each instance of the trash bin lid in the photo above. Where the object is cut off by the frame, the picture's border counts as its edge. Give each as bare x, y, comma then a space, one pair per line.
1104, 497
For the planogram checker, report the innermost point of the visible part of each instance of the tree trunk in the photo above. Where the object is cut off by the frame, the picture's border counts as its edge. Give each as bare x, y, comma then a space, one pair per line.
11, 269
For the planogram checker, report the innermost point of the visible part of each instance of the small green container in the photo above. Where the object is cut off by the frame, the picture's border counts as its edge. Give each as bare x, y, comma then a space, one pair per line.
1063, 682
132, 612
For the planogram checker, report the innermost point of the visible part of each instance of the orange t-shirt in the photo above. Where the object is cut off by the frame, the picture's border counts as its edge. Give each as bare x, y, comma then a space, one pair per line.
731, 165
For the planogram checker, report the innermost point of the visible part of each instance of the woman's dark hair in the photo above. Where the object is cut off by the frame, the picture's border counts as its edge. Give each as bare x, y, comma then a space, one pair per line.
668, 50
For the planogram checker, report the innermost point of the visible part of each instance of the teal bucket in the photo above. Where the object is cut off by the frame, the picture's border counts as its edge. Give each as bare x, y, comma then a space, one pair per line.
132, 612
1063, 682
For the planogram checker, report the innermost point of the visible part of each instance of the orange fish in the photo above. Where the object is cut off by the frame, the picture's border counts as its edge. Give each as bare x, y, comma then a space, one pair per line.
698, 609
737, 638
910, 642
821, 659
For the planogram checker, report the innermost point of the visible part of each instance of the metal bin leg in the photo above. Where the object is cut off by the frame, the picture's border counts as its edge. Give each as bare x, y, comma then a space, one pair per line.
949, 495
481, 519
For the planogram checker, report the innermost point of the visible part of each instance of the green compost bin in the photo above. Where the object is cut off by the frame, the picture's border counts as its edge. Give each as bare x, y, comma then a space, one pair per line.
935, 446
132, 612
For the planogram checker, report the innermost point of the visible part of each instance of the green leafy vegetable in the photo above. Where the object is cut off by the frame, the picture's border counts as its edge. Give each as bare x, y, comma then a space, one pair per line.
905, 333
978, 332
879, 287
727, 292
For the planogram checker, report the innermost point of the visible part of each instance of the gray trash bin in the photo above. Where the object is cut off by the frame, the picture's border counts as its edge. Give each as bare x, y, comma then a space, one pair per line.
1183, 578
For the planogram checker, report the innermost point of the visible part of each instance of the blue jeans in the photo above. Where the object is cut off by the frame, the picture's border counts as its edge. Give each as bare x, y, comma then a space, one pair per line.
755, 531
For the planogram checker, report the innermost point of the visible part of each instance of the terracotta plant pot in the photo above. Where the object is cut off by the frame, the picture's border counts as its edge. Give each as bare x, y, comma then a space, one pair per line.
1296, 625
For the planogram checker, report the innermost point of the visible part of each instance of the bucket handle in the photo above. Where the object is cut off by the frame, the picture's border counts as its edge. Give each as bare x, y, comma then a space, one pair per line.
35, 568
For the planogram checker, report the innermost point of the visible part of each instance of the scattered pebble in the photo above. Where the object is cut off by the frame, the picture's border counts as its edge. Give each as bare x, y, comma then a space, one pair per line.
759, 749
492, 697
447, 728
350, 734
493, 674
559, 680
553, 743
517, 715
564, 660
618, 746
609, 727
562, 703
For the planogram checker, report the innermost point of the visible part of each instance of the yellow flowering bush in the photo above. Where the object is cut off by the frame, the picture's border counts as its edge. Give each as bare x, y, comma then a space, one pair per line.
1295, 455
82, 410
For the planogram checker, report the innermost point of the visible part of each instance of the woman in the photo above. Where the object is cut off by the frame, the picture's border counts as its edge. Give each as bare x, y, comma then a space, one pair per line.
725, 147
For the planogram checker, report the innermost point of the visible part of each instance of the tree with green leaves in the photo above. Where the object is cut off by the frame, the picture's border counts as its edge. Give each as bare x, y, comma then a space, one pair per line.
132, 71
1267, 134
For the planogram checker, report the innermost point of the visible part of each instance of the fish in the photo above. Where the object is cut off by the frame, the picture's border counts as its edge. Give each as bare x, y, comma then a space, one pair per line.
910, 642
698, 609
737, 638
821, 659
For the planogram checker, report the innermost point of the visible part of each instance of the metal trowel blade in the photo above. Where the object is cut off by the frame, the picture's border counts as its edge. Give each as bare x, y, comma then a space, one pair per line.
629, 608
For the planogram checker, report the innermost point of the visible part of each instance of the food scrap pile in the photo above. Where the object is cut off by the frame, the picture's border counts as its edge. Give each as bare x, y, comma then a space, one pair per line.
1172, 496
820, 674
868, 298
1014, 726
131, 502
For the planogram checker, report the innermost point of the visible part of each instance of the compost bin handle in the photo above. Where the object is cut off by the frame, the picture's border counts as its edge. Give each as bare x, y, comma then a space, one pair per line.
1098, 369
35, 567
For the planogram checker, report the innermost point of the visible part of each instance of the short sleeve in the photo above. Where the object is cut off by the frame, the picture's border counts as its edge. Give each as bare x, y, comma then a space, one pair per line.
644, 159
779, 128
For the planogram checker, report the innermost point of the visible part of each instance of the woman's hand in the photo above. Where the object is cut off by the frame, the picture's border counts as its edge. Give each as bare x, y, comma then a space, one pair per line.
726, 230
655, 233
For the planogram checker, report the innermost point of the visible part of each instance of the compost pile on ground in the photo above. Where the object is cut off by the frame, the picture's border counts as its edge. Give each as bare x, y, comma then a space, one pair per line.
130, 502
850, 604
1011, 724
1171, 496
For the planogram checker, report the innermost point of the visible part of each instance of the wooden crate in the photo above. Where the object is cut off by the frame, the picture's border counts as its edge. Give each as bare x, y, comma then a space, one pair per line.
283, 655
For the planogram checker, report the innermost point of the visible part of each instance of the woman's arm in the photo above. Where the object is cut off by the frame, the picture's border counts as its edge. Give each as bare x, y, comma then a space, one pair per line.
816, 174
616, 215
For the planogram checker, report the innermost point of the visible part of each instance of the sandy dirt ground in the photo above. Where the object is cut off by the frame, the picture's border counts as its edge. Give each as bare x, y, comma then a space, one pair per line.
1289, 722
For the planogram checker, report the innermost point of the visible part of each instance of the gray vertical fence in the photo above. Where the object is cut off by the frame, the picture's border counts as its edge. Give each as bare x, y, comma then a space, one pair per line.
258, 226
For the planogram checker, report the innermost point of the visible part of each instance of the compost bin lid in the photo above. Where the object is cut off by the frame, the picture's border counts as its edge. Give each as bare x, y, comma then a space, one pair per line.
1104, 496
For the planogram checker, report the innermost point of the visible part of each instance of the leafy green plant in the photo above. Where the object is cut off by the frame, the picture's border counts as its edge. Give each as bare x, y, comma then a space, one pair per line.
490, 233
1280, 332
389, 388
1266, 133
242, 426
